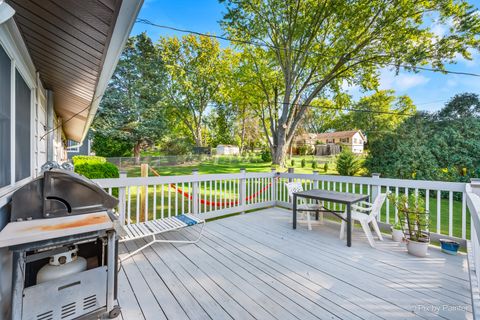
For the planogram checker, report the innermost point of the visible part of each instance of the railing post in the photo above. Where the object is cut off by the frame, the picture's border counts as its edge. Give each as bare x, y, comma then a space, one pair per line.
195, 192
375, 186
122, 200
243, 191
143, 194
291, 170
315, 180
274, 185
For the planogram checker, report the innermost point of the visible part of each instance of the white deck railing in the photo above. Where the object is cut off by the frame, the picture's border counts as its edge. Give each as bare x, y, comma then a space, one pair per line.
208, 196
213, 195
473, 246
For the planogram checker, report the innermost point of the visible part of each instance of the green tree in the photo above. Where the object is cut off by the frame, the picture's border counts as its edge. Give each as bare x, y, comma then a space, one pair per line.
442, 146
129, 112
461, 106
377, 114
348, 163
197, 67
311, 48
111, 146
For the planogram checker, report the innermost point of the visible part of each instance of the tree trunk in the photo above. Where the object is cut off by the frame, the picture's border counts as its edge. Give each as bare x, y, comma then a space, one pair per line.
198, 137
242, 139
136, 152
279, 151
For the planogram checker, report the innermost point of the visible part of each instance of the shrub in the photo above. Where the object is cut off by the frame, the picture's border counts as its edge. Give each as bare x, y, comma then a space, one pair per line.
90, 159
304, 150
266, 155
325, 167
292, 162
314, 164
97, 170
303, 163
347, 163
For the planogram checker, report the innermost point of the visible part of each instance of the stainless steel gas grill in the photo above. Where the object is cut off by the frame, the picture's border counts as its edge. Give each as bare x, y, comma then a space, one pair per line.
64, 244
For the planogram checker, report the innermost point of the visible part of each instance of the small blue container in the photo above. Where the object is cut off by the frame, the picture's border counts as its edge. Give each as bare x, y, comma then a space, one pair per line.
449, 246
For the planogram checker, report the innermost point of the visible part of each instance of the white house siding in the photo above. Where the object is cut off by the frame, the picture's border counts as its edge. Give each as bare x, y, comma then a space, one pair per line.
357, 143
11, 42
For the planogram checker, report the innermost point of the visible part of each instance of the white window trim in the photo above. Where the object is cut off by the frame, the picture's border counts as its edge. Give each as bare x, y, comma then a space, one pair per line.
12, 43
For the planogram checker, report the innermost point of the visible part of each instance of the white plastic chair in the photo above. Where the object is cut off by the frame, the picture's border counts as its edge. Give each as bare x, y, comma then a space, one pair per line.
303, 206
366, 213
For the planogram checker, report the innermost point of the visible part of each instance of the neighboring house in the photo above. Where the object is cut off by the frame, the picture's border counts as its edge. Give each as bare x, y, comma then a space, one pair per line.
76, 149
353, 139
56, 58
227, 149
79, 149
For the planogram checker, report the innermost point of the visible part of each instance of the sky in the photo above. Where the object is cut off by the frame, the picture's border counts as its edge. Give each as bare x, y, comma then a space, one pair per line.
428, 90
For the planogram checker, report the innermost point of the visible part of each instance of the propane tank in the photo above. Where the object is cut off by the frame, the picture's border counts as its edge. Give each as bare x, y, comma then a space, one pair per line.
61, 265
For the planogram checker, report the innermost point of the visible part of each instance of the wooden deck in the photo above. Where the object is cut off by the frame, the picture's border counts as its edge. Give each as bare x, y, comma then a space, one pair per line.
254, 266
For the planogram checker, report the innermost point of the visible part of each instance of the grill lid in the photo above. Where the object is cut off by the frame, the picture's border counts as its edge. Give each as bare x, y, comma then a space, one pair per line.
59, 193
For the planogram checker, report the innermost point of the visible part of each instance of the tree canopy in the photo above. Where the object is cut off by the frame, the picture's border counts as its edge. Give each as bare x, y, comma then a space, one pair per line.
441, 146
307, 49
129, 111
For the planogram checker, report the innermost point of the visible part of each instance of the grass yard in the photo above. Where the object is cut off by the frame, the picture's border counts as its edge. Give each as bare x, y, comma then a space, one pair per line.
234, 164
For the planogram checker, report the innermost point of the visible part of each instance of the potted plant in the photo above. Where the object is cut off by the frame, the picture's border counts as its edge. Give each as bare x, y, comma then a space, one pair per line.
413, 219
397, 232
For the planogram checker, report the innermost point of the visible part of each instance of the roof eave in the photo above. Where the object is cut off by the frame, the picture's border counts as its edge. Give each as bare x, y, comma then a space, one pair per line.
126, 18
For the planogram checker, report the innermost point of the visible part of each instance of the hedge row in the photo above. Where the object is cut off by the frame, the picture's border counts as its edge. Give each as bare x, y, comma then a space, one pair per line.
90, 159
94, 167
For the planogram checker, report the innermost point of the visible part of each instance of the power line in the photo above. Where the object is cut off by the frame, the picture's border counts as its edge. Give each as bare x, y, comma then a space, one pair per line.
148, 22
352, 109
63, 122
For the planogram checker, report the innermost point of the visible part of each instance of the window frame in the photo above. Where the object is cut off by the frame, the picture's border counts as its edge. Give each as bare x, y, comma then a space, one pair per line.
13, 45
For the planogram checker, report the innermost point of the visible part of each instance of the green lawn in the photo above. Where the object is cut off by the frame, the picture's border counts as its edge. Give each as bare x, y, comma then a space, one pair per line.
233, 165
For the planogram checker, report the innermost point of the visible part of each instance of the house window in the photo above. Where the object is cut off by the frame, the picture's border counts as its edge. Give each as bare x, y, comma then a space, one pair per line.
5, 117
22, 128
72, 146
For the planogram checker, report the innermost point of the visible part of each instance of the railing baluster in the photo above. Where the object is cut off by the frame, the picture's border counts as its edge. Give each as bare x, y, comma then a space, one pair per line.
210, 194
205, 196
439, 211
182, 198
215, 194
387, 209
221, 194
137, 211
129, 195
427, 200
146, 203
230, 193
176, 199
396, 210
169, 200
155, 202
189, 191
450, 213
163, 201
464, 216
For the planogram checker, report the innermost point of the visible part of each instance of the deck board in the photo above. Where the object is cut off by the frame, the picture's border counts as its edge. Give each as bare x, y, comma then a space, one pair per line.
254, 266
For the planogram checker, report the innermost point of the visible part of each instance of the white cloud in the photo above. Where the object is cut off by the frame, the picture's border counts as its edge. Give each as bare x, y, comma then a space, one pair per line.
401, 82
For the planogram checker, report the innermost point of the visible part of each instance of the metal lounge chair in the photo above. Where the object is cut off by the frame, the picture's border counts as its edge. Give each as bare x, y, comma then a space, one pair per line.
153, 228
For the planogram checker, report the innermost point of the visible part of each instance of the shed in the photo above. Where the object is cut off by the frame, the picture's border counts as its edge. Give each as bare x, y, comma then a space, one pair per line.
227, 149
